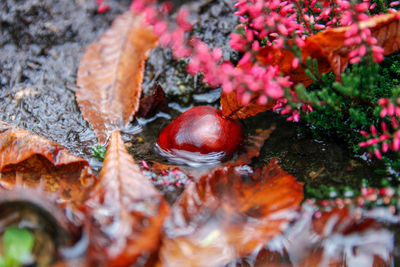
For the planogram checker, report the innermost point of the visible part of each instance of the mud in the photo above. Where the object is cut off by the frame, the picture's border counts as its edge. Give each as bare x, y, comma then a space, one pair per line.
41, 43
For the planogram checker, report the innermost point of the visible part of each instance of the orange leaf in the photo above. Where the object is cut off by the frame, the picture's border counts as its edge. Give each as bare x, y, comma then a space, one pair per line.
125, 211
228, 214
110, 75
329, 49
338, 237
231, 106
253, 146
347, 225
33, 160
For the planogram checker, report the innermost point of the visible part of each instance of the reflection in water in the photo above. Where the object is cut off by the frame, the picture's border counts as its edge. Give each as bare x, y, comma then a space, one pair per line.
340, 237
193, 159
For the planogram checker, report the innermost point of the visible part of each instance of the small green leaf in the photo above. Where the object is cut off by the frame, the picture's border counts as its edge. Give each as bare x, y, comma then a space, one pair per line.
17, 244
99, 152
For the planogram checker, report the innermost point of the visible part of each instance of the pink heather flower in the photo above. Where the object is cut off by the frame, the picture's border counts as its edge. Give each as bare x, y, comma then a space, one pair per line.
394, 3
373, 130
295, 63
378, 153
383, 102
181, 19
103, 8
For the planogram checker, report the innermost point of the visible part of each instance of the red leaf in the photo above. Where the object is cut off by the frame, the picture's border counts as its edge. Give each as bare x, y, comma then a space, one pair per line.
228, 214
110, 75
125, 212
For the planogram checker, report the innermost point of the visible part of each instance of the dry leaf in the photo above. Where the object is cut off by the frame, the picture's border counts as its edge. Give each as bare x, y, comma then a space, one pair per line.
110, 74
231, 106
32, 160
151, 104
335, 238
125, 212
344, 239
228, 214
329, 49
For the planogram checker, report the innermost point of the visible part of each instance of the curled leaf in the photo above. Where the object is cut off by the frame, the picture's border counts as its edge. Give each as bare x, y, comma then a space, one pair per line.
110, 75
228, 214
125, 212
151, 104
32, 160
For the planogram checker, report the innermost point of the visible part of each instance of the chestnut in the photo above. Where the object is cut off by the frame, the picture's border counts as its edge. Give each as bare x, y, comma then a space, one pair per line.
201, 135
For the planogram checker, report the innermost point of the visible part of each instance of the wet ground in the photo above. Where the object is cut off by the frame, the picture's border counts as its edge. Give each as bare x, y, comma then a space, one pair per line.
42, 41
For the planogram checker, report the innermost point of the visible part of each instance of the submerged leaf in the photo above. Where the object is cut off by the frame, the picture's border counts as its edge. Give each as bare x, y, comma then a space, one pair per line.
342, 238
339, 237
32, 160
228, 214
125, 212
110, 74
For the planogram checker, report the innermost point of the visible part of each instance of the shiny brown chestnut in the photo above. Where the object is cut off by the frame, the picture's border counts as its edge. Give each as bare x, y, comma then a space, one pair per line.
201, 135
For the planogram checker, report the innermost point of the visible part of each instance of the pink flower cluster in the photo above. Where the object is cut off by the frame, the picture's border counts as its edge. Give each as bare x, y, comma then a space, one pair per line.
389, 136
358, 37
248, 79
273, 23
103, 6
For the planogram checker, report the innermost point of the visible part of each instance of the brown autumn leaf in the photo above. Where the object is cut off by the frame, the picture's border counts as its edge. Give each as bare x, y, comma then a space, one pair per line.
231, 106
344, 239
329, 49
30, 160
125, 212
227, 214
339, 237
40, 209
253, 146
110, 75
153, 103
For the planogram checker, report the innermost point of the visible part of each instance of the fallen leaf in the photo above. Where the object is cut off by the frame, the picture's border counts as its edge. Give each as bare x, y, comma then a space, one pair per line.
329, 49
233, 108
253, 146
342, 238
110, 75
339, 237
31, 160
125, 212
228, 214
39, 209
151, 104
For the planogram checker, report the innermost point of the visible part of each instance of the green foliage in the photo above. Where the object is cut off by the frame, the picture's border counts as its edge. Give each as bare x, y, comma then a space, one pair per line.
342, 109
99, 152
324, 192
17, 247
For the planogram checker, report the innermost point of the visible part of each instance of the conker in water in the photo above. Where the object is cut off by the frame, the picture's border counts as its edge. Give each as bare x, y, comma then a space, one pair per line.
201, 135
